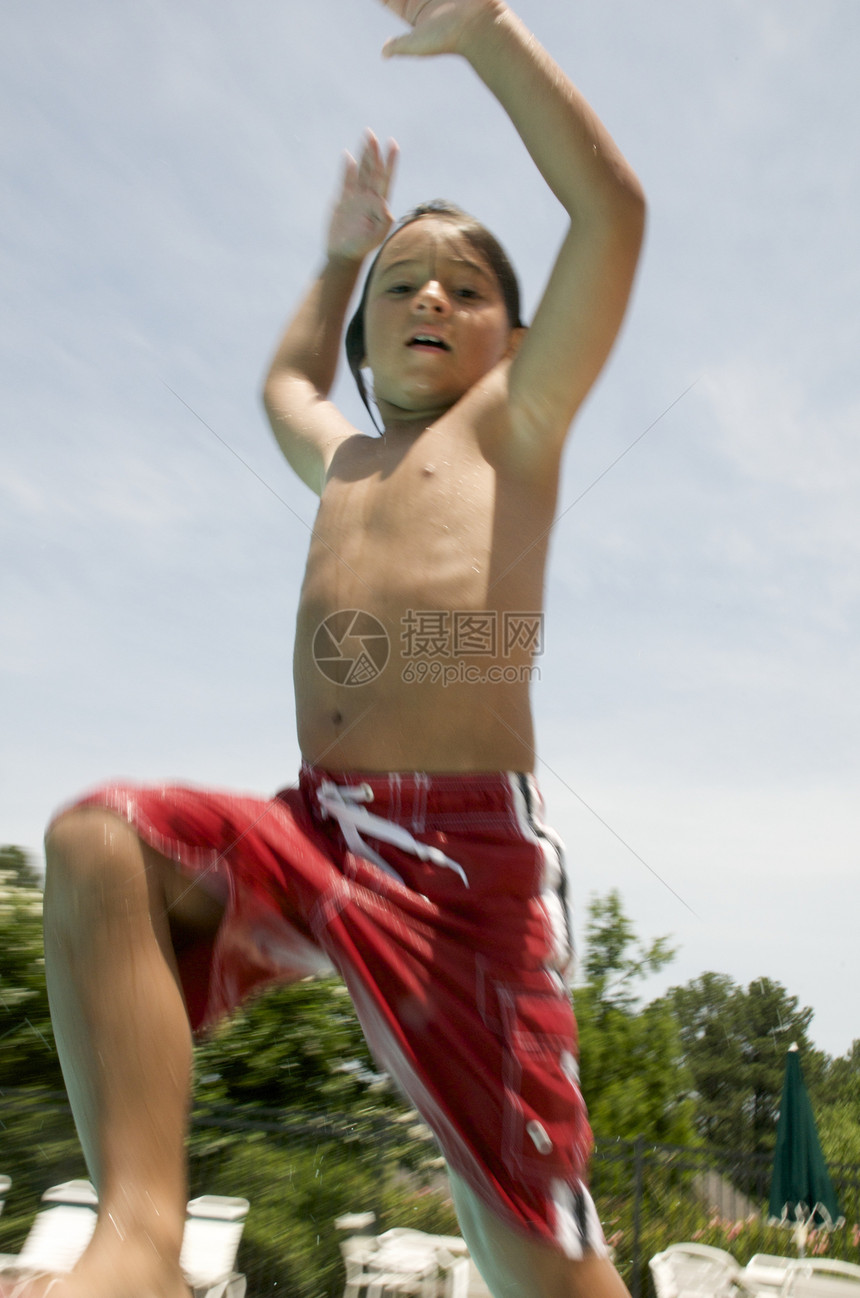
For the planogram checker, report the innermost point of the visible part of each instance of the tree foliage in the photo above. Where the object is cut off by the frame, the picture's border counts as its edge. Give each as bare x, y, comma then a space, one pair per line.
27, 1051
836, 1101
734, 1041
839, 1081
631, 1063
615, 960
297, 1048
18, 869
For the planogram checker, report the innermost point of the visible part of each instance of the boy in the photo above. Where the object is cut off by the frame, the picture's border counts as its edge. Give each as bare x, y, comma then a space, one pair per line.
436, 890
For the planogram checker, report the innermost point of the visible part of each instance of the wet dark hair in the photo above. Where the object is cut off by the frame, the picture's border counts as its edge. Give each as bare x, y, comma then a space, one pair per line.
480, 239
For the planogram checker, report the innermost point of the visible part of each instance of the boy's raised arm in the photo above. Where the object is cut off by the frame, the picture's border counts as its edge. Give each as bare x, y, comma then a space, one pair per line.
307, 426
584, 303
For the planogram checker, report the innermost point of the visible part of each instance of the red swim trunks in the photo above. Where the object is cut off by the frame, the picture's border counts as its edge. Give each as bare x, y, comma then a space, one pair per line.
439, 899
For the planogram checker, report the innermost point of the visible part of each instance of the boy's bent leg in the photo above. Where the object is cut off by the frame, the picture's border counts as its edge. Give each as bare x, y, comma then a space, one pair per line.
516, 1267
124, 1042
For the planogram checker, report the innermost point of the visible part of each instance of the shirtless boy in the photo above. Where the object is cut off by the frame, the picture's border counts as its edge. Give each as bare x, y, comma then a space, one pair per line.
436, 892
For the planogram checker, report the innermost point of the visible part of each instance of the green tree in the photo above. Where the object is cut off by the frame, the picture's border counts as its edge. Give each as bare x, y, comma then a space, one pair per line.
299, 1048
632, 1070
27, 1051
840, 1080
16, 867
836, 1102
615, 960
734, 1042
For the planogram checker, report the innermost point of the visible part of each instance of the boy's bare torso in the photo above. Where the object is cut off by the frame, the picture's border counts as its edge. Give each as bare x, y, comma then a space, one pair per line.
436, 535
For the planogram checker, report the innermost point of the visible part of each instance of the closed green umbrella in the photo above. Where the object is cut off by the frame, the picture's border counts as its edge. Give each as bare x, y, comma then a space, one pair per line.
801, 1193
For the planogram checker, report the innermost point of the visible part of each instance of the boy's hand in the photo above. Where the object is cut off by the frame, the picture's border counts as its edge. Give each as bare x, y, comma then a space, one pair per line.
361, 218
438, 26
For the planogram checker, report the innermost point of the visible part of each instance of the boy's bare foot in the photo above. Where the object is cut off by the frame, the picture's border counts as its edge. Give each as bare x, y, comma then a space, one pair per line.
128, 1273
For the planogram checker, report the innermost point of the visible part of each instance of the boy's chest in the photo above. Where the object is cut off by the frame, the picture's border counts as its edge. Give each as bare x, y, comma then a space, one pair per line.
413, 498
432, 524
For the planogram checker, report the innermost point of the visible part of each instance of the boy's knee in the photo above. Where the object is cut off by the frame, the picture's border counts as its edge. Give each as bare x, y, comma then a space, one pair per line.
73, 831
96, 854
82, 843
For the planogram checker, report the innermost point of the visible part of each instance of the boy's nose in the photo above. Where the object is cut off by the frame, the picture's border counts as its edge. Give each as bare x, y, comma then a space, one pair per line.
432, 297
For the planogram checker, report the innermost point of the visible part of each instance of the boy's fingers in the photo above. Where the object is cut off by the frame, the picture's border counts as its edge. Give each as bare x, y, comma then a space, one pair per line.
374, 168
369, 179
350, 173
369, 146
411, 43
392, 47
373, 162
391, 162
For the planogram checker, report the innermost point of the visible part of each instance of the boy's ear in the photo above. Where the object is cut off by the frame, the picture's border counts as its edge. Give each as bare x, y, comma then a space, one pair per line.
515, 341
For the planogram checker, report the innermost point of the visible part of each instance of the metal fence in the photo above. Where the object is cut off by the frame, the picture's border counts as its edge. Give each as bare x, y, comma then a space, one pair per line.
301, 1171
650, 1195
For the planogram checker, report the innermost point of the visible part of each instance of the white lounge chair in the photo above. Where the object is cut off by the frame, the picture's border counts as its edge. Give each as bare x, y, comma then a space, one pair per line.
456, 1269
60, 1233
456, 1274
765, 1273
375, 1268
210, 1244
692, 1248
821, 1277
359, 1223
404, 1261
692, 1270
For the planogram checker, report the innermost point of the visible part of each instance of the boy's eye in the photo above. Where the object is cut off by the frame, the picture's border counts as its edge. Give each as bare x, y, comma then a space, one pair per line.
399, 288
466, 292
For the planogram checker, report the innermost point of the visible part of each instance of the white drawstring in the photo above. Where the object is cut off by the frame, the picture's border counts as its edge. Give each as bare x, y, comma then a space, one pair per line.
339, 801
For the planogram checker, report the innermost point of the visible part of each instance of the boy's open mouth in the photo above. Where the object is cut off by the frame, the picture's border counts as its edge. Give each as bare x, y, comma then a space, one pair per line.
428, 340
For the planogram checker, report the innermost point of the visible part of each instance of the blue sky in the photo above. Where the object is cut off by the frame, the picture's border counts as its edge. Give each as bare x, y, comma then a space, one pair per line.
166, 171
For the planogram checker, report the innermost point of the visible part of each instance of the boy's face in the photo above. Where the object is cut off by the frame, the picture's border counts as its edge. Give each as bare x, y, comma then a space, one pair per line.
435, 321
